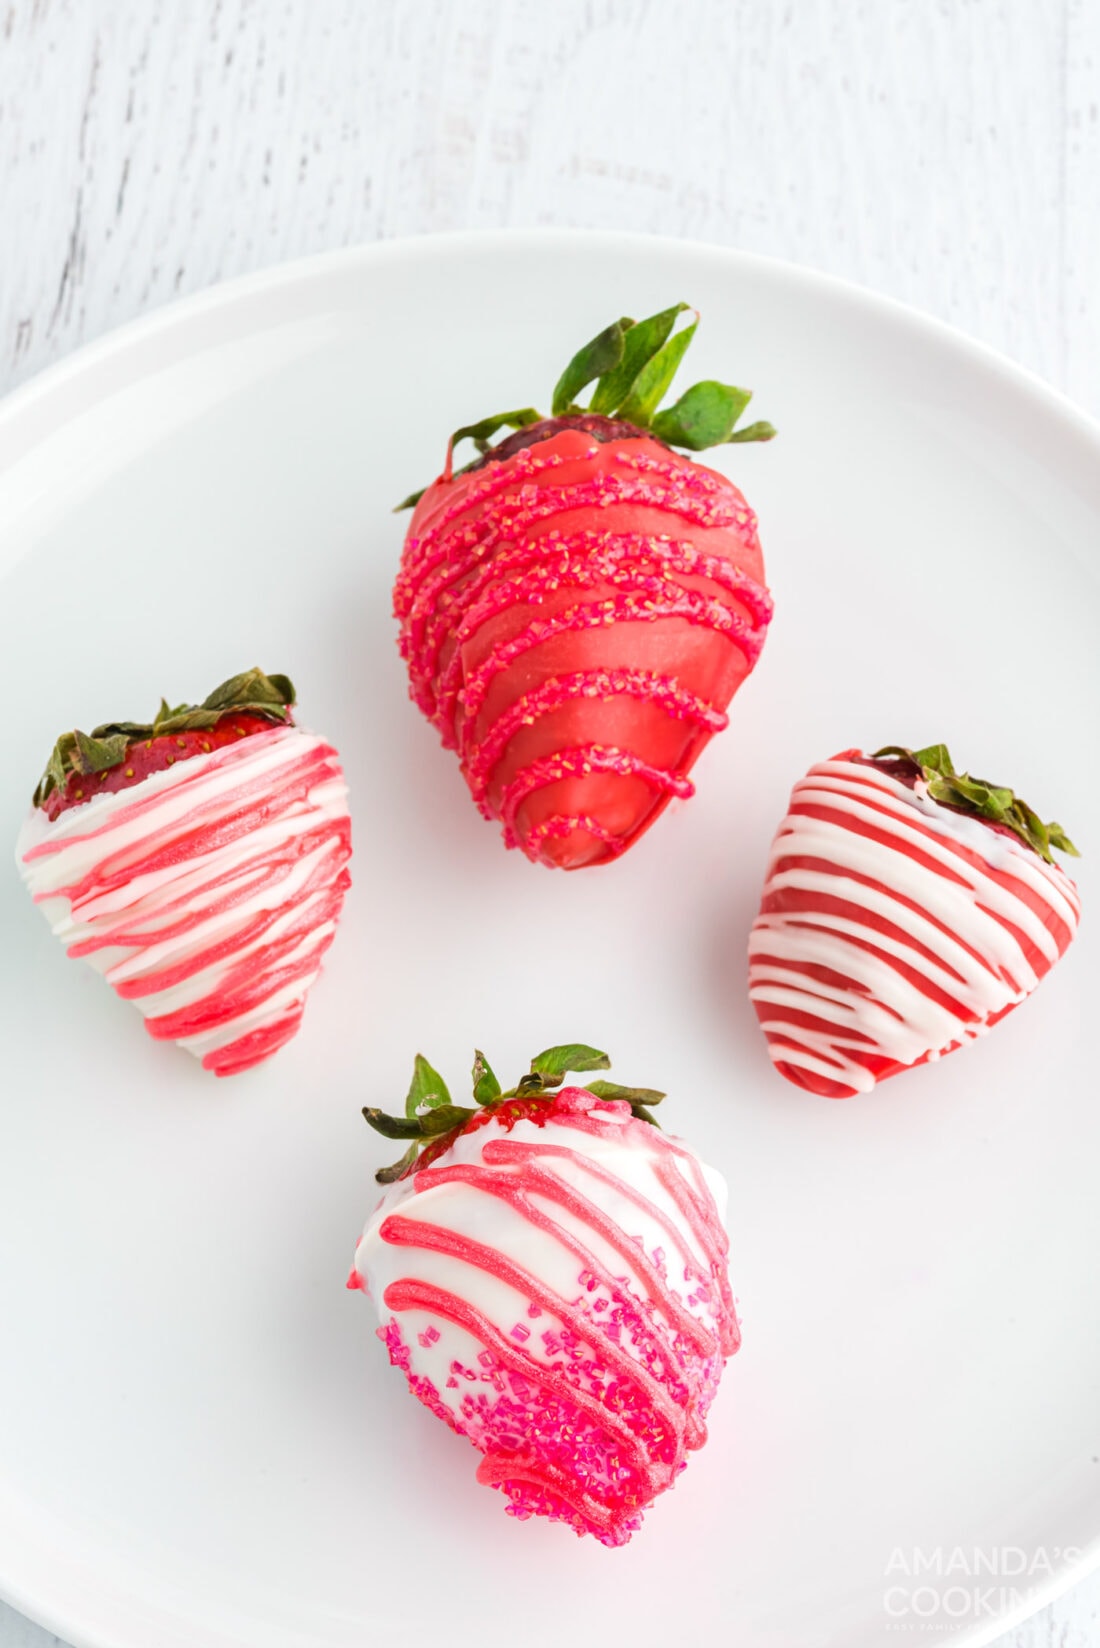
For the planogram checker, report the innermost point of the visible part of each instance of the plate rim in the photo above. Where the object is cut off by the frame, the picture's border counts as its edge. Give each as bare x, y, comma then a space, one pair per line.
45, 394
54, 379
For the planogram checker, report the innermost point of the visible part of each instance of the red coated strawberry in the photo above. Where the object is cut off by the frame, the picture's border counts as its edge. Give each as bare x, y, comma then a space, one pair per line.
907, 908
551, 1276
199, 862
581, 602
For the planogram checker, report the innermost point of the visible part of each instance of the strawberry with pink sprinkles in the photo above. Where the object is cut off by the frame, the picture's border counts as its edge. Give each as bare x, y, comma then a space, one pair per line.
550, 1270
579, 604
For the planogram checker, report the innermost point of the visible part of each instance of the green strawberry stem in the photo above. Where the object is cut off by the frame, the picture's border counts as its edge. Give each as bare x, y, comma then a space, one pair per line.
979, 799
431, 1118
252, 693
632, 364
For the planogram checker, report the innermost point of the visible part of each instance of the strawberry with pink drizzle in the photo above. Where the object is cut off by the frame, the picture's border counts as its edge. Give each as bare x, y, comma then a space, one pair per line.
907, 909
550, 1270
199, 861
581, 602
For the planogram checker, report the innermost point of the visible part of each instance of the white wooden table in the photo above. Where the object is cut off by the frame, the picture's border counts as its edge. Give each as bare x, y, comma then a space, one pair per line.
948, 154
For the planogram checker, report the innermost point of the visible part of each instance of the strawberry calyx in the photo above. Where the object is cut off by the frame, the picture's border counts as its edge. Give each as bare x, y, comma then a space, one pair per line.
432, 1122
82, 765
632, 364
975, 797
588, 423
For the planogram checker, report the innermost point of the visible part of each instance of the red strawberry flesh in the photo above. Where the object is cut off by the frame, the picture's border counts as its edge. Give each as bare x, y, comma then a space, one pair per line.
147, 756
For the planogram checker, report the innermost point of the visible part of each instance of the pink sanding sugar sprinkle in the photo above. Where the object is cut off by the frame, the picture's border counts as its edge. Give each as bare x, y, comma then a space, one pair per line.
561, 824
558, 691
582, 763
522, 1425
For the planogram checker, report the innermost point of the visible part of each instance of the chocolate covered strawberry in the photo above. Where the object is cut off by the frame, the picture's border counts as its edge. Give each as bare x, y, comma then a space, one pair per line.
579, 604
199, 861
907, 909
550, 1273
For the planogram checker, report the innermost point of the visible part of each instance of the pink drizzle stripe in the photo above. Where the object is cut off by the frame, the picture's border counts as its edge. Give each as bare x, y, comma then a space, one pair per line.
495, 548
564, 824
892, 930
581, 762
209, 893
549, 1188
676, 702
622, 609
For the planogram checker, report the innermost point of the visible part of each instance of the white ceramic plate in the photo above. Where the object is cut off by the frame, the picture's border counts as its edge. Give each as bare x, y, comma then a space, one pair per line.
201, 1442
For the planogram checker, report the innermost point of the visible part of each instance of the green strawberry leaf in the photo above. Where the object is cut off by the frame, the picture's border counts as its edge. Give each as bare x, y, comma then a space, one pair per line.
631, 1095
410, 502
132, 731
253, 693
703, 416
480, 433
655, 377
486, 1086
57, 767
600, 356
1058, 838
752, 432
640, 344
641, 1112
937, 757
98, 753
445, 1118
555, 1063
427, 1090
977, 798
632, 364
251, 689
394, 1127
388, 1175
437, 1127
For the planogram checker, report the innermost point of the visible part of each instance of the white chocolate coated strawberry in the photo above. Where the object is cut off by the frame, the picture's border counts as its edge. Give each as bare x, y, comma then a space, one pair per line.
556, 1290
208, 893
893, 929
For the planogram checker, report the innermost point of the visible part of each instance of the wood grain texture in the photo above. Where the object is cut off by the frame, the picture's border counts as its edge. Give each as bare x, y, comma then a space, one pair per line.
1081, 207
946, 153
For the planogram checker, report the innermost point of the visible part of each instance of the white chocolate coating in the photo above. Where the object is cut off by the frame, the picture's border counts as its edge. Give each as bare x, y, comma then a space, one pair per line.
894, 928
208, 893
